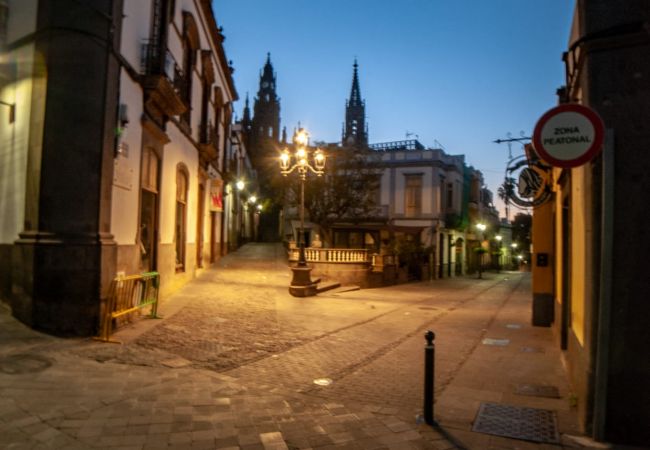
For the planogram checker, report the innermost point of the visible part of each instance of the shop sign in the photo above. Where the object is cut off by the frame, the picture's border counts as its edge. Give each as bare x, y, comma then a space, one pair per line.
216, 195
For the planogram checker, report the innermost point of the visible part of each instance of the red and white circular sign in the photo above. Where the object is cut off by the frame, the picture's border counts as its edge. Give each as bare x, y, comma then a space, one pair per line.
568, 135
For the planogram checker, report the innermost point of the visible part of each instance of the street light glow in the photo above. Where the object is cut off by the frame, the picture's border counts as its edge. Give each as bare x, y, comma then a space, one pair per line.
481, 226
498, 237
301, 137
252, 199
240, 185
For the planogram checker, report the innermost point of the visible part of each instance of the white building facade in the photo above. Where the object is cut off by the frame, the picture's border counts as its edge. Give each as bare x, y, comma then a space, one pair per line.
114, 142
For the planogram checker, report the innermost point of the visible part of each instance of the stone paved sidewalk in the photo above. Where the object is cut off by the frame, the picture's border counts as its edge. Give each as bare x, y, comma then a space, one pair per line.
233, 364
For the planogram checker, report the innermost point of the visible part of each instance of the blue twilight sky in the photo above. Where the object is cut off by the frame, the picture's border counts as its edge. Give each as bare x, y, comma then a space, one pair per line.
456, 72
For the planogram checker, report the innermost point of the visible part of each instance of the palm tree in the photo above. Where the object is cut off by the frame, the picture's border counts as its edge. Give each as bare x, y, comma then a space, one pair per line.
505, 192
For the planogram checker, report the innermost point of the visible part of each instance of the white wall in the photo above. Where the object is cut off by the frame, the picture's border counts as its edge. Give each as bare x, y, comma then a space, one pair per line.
136, 28
125, 202
22, 18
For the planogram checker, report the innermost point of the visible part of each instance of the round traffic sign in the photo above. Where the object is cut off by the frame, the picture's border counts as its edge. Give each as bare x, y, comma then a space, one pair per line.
568, 135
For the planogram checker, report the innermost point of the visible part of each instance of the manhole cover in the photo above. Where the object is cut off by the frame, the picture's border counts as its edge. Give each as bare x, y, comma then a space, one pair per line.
538, 390
497, 342
529, 424
22, 363
323, 381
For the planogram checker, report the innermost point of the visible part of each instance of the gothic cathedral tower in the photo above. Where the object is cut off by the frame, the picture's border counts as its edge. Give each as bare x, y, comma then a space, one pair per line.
265, 126
355, 132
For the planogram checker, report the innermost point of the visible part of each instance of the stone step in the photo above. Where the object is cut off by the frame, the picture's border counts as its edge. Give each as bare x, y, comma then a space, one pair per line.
346, 288
327, 286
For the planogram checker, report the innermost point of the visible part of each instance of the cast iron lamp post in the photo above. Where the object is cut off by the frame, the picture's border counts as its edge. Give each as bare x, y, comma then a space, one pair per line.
301, 162
481, 227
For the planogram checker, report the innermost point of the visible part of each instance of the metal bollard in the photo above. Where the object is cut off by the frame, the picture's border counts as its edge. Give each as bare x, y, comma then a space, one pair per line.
429, 366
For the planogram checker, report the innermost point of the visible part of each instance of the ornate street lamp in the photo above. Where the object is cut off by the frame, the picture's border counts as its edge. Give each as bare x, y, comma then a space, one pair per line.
299, 161
303, 161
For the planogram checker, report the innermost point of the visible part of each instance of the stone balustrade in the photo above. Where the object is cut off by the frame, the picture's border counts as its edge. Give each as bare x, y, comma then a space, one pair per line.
331, 255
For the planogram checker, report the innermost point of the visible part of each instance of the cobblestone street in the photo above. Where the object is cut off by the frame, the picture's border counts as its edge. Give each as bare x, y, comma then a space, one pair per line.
237, 351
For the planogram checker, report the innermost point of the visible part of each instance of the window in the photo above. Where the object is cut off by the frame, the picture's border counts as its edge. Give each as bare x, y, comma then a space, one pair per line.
191, 45
149, 170
188, 68
450, 196
205, 124
413, 199
181, 216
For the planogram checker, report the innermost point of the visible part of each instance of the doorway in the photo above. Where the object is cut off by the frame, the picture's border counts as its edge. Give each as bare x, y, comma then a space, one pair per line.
199, 226
148, 234
213, 236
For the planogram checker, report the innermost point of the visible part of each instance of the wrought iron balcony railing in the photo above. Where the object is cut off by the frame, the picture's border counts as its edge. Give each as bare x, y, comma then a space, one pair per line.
158, 60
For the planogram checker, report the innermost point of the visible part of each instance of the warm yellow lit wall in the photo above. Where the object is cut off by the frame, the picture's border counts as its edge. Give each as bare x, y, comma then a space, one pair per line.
558, 262
543, 243
579, 236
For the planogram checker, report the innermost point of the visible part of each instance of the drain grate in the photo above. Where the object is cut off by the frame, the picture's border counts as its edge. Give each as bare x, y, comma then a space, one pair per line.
529, 424
428, 308
538, 390
23, 363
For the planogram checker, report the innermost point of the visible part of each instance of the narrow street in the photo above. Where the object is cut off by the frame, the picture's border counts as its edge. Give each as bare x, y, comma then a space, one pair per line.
235, 337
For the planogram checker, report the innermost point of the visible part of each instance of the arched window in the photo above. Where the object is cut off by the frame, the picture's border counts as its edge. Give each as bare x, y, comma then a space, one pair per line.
180, 229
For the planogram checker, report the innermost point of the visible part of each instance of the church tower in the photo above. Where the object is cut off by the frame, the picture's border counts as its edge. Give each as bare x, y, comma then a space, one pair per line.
265, 126
355, 132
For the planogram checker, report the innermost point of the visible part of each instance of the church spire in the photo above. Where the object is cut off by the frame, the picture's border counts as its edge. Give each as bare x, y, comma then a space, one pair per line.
267, 73
246, 119
265, 123
355, 132
355, 93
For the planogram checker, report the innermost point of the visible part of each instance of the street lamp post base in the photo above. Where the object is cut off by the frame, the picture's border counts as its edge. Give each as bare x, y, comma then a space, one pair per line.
301, 283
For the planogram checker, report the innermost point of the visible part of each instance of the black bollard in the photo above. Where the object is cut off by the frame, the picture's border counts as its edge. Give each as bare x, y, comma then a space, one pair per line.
429, 365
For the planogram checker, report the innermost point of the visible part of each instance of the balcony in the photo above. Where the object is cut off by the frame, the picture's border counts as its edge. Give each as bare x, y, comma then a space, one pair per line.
163, 81
208, 142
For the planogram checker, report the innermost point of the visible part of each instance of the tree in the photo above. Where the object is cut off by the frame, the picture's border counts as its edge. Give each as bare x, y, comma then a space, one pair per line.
505, 192
346, 193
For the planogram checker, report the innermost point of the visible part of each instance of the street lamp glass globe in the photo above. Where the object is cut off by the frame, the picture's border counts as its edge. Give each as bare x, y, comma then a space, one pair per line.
284, 160
319, 159
301, 137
